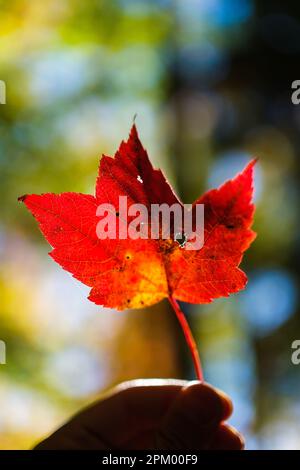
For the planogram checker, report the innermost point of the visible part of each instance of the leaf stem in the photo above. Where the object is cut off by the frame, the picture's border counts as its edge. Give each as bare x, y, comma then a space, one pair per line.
189, 338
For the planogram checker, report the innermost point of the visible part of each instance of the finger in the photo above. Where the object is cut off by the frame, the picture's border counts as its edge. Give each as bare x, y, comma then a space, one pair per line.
130, 410
193, 418
227, 438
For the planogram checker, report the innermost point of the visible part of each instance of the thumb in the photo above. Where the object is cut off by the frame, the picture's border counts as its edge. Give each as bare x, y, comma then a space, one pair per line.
194, 417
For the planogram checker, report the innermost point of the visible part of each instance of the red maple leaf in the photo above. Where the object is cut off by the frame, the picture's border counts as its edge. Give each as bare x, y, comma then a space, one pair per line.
127, 273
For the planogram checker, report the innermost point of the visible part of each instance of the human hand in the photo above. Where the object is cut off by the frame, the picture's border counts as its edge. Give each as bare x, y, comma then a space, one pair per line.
152, 414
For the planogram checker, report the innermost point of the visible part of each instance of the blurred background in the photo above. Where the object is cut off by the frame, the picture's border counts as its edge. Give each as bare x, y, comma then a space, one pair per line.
210, 81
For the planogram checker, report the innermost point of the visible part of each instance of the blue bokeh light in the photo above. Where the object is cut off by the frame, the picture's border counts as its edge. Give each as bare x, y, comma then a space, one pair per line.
269, 300
226, 13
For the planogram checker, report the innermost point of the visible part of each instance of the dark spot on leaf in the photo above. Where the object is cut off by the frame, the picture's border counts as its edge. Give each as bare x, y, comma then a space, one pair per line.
181, 239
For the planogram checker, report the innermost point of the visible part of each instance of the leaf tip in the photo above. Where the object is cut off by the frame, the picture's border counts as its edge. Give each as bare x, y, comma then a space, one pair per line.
133, 131
250, 167
22, 198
